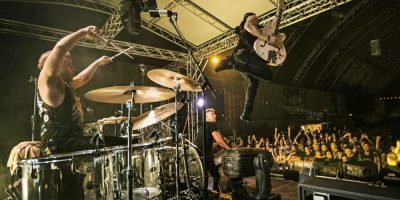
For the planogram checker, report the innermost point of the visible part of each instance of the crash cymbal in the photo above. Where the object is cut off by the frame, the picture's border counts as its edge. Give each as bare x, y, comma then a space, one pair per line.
112, 120
153, 116
120, 94
168, 79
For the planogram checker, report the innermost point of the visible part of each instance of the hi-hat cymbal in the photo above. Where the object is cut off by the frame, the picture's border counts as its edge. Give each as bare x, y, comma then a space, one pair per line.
153, 116
121, 94
169, 79
112, 120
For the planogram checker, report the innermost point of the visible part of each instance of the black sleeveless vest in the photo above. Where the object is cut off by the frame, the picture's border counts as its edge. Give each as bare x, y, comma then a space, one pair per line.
59, 124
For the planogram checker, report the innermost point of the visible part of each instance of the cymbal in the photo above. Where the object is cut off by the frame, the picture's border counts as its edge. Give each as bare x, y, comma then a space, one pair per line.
168, 79
121, 94
153, 116
112, 120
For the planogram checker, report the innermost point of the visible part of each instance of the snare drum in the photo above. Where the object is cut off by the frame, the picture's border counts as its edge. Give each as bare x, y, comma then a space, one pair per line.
83, 174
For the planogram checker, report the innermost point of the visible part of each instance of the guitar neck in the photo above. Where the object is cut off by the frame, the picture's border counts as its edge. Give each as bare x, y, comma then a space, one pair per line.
278, 15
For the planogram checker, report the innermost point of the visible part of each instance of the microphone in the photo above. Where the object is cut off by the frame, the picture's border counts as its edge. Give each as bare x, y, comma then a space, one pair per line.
160, 12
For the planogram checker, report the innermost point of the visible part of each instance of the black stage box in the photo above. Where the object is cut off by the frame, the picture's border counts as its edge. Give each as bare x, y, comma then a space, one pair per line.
324, 188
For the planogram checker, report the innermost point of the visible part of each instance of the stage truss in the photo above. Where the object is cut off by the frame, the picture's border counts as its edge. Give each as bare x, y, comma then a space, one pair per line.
296, 11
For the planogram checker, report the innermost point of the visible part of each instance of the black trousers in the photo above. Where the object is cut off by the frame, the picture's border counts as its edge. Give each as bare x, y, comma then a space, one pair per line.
253, 69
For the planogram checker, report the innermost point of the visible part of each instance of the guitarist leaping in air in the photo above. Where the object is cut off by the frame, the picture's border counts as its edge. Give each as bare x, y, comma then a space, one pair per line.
258, 51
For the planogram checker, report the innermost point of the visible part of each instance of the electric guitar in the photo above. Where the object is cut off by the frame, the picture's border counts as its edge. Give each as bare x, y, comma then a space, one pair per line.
272, 50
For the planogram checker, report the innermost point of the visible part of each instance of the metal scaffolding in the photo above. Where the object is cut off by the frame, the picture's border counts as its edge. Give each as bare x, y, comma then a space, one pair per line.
52, 34
296, 11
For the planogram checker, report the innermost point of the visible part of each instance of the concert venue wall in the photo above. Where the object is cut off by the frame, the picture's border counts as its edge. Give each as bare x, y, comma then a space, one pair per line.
275, 105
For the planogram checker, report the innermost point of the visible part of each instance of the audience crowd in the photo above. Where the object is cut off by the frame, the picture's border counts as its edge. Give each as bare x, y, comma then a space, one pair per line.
381, 150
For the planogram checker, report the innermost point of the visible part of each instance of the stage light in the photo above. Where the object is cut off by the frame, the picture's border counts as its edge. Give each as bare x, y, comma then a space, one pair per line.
215, 59
375, 47
200, 102
130, 15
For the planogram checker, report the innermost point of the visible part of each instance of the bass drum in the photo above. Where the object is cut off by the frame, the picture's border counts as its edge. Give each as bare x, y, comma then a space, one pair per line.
167, 170
84, 174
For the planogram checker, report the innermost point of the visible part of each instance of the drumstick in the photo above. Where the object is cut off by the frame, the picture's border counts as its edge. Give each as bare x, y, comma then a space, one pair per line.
118, 54
114, 45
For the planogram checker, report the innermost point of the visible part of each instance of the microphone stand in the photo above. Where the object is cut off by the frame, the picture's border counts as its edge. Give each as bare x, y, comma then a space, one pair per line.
204, 84
129, 174
34, 115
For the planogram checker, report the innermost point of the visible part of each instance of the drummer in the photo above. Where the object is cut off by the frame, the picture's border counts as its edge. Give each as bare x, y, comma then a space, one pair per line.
59, 108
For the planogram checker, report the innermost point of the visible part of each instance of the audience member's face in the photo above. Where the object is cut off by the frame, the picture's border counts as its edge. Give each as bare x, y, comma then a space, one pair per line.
366, 146
348, 152
309, 142
324, 148
329, 155
293, 148
316, 147
344, 159
333, 146
318, 154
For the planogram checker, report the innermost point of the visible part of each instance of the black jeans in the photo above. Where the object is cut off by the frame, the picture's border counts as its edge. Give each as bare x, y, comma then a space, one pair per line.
253, 69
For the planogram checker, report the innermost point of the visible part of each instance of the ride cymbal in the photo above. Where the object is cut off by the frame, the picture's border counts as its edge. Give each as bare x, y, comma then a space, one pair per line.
153, 116
170, 79
121, 94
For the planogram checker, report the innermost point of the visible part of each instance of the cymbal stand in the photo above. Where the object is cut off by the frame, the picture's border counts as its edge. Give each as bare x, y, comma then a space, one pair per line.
188, 190
129, 171
177, 88
205, 84
34, 114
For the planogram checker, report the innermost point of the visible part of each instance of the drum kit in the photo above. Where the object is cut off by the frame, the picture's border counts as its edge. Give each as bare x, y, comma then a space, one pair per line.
154, 169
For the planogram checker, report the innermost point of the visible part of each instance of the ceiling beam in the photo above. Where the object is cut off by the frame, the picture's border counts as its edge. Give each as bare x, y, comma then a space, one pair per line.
113, 25
83, 4
296, 11
203, 14
54, 35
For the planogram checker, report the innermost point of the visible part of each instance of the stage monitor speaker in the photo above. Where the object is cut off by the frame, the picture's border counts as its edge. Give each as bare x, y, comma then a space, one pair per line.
238, 162
359, 169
